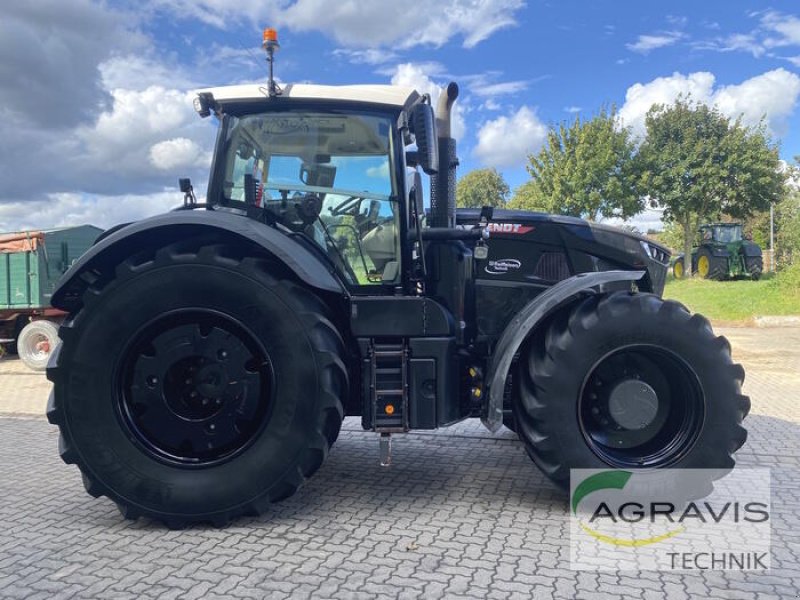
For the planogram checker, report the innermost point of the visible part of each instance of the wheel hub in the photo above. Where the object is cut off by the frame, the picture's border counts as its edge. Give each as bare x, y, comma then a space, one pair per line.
195, 388
633, 404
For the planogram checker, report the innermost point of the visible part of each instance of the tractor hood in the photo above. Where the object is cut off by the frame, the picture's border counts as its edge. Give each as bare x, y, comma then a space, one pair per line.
542, 248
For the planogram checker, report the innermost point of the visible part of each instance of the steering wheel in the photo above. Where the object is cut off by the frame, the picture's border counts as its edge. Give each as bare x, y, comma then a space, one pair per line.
308, 206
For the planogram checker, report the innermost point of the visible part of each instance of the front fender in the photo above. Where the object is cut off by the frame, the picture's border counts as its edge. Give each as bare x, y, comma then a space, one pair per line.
526, 321
164, 229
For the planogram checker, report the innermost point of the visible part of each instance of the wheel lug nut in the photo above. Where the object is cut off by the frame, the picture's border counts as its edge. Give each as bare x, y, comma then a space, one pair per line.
218, 401
152, 380
222, 354
193, 395
595, 411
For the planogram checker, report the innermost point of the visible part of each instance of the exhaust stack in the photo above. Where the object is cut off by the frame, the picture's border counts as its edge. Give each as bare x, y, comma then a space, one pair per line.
443, 184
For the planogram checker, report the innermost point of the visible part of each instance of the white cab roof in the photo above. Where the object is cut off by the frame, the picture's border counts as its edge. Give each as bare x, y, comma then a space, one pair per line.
377, 94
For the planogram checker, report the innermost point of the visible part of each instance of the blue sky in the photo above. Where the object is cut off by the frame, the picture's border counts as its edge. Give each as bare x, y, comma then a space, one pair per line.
95, 97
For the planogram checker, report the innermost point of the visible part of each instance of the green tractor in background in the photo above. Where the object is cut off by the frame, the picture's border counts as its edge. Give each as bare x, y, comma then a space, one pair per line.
723, 253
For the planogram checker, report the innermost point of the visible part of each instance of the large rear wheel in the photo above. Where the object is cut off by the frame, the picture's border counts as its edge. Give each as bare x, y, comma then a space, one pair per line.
197, 384
754, 266
629, 381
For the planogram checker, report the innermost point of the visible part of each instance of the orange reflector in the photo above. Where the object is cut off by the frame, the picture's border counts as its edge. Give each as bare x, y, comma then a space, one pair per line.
270, 35
389, 409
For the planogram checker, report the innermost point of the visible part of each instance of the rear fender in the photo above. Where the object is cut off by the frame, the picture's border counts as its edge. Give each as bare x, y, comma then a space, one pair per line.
162, 230
526, 321
751, 249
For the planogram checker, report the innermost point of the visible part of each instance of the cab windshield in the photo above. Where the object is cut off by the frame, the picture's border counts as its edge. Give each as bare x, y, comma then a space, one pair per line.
726, 234
327, 175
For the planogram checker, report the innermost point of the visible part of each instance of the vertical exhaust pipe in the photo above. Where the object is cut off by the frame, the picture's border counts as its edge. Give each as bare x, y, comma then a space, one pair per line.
443, 184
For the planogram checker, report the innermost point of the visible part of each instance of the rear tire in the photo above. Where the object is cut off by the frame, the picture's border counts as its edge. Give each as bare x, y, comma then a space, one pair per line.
754, 266
677, 269
245, 375
36, 342
626, 340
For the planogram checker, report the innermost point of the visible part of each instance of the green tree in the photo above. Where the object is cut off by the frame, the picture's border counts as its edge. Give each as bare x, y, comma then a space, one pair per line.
527, 197
585, 169
698, 165
482, 187
787, 225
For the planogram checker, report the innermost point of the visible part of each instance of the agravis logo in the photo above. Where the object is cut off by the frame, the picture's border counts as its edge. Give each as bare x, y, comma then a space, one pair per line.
670, 519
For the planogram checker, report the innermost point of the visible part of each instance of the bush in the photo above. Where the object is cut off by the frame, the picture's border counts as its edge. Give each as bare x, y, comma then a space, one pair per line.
788, 279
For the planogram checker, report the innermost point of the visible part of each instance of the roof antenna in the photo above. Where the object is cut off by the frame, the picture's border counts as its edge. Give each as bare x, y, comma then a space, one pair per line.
270, 44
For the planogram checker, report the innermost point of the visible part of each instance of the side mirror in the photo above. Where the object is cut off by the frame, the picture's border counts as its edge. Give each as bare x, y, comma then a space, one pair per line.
423, 126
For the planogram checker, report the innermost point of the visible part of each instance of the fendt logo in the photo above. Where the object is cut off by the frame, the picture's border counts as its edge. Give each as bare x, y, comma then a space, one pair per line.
516, 228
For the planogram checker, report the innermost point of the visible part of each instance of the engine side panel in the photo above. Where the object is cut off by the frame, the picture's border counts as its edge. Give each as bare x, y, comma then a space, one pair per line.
531, 252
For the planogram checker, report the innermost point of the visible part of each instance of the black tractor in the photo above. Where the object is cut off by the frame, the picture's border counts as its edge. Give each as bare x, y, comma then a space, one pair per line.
211, 353
724, 252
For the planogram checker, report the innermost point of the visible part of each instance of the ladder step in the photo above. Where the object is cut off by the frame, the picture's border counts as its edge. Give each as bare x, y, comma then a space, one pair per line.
388, 353
388, 371
390, 392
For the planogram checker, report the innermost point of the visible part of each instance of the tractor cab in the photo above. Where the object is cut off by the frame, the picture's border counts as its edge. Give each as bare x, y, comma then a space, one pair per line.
722, 233
324, 174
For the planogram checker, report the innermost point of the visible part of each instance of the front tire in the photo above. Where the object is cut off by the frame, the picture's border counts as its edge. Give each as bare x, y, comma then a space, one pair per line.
629, 381
710, 266
196, 385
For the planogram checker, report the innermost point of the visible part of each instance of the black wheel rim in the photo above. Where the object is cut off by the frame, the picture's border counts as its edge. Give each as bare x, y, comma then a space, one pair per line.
194, 388
641, 406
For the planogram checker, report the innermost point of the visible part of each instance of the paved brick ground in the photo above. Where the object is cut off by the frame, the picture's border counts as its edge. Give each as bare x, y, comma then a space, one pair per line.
460, 513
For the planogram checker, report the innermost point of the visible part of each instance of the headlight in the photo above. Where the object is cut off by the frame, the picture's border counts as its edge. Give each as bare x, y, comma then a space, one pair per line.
655, 252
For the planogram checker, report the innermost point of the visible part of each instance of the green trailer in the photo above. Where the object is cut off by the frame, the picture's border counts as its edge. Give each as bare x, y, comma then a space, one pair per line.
31, 262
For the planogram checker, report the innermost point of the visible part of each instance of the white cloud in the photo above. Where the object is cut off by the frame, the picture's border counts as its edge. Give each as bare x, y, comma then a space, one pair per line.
784, 30
572, 109
152, 127
644, 44
419, 76
507, 140
69, 209
367, 56
504, 88
744, 42
364, 23
177, 153
773, 94
774, 30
